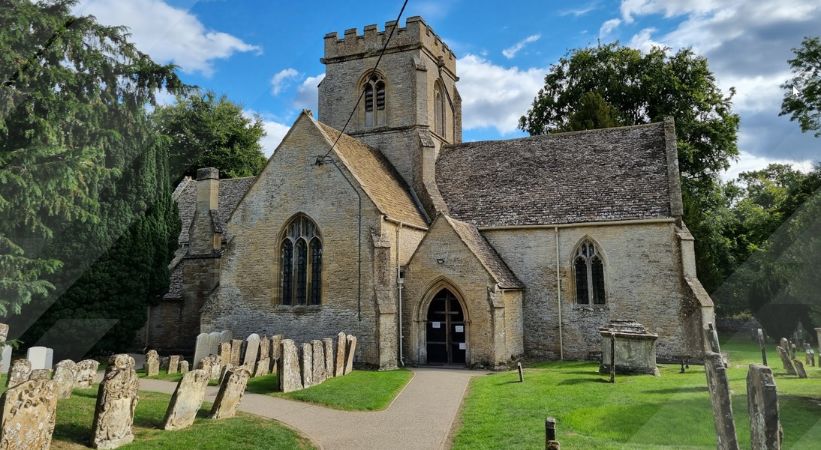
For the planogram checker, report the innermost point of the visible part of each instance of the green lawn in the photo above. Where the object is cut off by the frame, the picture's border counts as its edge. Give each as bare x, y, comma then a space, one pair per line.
163, 375
670, 411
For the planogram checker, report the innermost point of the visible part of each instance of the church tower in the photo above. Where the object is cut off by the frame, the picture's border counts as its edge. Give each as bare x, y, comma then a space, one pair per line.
407, 108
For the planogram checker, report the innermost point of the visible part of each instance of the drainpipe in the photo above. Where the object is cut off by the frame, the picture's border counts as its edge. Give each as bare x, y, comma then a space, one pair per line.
399, 284
559, 292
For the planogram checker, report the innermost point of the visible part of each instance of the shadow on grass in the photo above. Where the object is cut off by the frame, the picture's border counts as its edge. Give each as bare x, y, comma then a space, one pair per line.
583, 380
72, 432
682, 390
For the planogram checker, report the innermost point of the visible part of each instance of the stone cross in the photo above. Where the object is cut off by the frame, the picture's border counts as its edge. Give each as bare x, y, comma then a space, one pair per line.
341, 345
174, 364
152, 363
799, 369
290, 378
201, 349
116, 401
251, 351
318, 359
329, 357
719, 388
307, 365
762, 406
19, 373
183, 367
86, 370
786, 361
64, 374
186, 401
762, 345
230, 393
28, 416
40, 357
236, 351
349, 354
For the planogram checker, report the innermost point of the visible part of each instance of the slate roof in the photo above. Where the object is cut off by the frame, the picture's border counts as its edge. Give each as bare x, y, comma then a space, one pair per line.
378, 178
589, 176
231, 192
485, 253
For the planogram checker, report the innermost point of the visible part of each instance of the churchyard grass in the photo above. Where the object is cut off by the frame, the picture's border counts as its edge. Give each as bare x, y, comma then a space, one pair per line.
670, 411
163, 375
75, 415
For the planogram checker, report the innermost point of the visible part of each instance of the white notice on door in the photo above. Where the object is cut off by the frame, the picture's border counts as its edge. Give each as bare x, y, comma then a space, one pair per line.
435, 324
462, 346
460, 329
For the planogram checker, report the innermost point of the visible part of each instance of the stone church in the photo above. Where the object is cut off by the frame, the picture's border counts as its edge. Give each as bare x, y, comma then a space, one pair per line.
429, 249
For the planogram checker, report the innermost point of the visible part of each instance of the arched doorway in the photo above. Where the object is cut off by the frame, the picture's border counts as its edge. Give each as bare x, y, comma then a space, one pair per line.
445, 337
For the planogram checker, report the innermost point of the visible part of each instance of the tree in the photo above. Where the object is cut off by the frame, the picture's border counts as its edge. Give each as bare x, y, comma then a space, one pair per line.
802, 97
647, 88
593, 112
204, 131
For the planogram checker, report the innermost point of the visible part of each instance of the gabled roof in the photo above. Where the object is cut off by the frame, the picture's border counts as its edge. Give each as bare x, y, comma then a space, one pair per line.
378, 178
230, 193
588, 176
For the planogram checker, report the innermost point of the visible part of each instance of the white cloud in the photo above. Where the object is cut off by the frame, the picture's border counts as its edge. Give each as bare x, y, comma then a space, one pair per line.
274, 131
166, 33
580, 11
495, 96
748, 162
644, 41
607, 28
280, 79
307, 93
511, 52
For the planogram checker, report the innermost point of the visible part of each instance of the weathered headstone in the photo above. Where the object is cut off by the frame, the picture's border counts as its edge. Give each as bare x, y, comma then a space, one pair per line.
818, 337
349, 354
230, 393
341, 345
251, 351
5, 358
208, 363
173, 364
236, 351
186, 401
307, 365
4, 332
264, 348
522, 372
224, 370
28, 416
19, 373
183, 367
152, 363
712, 339
799, 369
329, 357
40, 374
719, 387
290, 378
225, 336
276, 347
762, 345
40, 357
214, 339
225, 353
64, 374
164, 362
116, 401
263, 367
762, 406
318, 361
201, 349
86, 370
810, 357
786, 361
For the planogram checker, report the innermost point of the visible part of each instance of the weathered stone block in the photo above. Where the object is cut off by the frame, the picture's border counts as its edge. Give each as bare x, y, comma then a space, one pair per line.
201, 349
40, 357
152, 363
225, 353
290, 378
635, 348
307, 365
349, 354
230, 393
784, 354
174, 364
264, 348
263, 367
64, 375
799, 369
186, 401
116, 401
762, 406
86, 371
183, 367
251, 351
28, 415
214, 340
236, 351
19, 373
318, 361
329, 357
719, 387
210, 364
341, 345
5, 358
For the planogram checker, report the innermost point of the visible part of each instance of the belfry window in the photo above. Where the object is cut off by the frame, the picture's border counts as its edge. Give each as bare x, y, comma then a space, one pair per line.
301, 263
589, 272
374, 97
438, 110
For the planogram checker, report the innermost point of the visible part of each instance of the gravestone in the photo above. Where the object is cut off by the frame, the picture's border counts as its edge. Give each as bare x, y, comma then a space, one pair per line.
116, 401
28, 415
164, 362
341, 345
818, 337
214, 339
762, 345
152, 363
785, 344
318, 359
186, 401
349, 354
5, 359
307, 365
225, 353
85, 372
762, 406
810, 356
40, 374
173, 364
329, 357
631, 347
208, 363
225, 336
251, 351
40, 357
64, 374
183, 367
230, 393
264, 348
201, 349
263, 367
276, 347
719, 388
4, 332
224, 371
290, 378
19, 373
799, 369
784, 354
236, 351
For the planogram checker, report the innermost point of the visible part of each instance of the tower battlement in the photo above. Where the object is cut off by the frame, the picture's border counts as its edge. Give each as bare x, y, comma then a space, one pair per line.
415, 34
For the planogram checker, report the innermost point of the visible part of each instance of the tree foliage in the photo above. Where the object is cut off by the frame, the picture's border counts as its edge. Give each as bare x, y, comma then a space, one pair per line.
593, 112
802, 97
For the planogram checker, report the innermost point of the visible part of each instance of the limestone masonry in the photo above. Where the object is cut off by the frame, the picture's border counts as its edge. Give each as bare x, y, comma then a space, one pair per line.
427, 249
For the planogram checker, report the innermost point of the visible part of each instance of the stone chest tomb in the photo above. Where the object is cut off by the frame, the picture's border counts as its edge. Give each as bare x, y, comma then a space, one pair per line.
635, 348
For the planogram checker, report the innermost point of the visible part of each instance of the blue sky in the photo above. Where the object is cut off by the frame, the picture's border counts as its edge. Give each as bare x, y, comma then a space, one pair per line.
265, 54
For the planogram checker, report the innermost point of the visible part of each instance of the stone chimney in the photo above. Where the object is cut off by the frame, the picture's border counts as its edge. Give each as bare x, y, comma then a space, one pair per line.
205, 235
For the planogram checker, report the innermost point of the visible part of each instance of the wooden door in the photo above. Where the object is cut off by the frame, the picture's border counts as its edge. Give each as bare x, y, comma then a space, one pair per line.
446, 338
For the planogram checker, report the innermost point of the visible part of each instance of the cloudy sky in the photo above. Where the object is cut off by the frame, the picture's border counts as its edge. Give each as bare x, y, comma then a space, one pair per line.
265, 54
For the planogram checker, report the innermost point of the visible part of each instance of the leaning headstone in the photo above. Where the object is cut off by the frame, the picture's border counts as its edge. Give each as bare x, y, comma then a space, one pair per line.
264, 348
19, 373
64, 374
186, 401
785, 344
341, 345
40, 357
236, 351
86, 370
712, 338
719, 387
818, 337
349, 353
214, 339
40, 374
208, 363
318, 360
762, 406
799, 369
4, 332
251, 351
290, 378
263, 367
329, 357
307, 365
152, 363
230, 393
224, 370
28, 416
786, 361
225, 353
183, 367
173, 364
201, 350
762, 345
276, 347
116, 401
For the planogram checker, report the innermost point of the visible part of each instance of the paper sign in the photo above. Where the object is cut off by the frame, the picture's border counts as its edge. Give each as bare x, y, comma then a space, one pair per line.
462, 346
460, 329
435, 324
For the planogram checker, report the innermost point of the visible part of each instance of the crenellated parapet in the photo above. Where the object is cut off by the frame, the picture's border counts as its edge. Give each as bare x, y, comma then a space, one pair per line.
415, 34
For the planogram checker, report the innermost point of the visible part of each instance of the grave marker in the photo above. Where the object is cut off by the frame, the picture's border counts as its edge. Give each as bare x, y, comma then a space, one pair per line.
86, 370
28, 415
251, 351
719, 387
230, 393
186, 401
341, 345
64, 374
19, 373
236, 351
201, 349
152, 363
349, 354
762, 406
290, 378
116, 401
307, 365
183, 367
318, 359
329, 357
40, 357
174, 364
786, 361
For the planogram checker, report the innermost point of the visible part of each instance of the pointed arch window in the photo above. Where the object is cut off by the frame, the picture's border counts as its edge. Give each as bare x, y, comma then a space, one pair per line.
301, 263
374, 96
438, 110
589, 272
